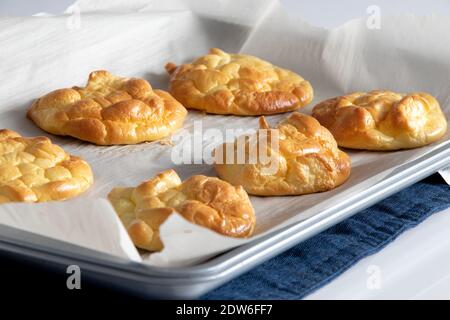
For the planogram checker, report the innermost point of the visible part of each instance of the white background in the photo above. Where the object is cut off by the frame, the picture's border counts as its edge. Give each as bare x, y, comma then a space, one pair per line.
417, 264
326, 13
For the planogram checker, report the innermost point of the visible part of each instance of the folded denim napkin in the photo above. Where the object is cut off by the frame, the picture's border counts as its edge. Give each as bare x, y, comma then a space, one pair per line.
318, 260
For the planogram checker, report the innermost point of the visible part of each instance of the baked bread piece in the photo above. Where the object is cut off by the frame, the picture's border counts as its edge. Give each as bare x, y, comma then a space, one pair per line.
382, 120
35, 170
206, 201
109, 110
239, 84
306, 160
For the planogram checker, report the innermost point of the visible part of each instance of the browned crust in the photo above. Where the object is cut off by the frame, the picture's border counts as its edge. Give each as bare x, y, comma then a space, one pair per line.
307, 156
238, 84
35, 170
206, 201
382, 120
109, 110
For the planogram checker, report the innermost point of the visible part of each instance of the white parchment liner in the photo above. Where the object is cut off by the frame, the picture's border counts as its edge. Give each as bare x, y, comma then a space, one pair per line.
40, 54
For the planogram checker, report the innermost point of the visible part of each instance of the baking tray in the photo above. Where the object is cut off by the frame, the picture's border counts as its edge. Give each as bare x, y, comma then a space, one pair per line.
192, 282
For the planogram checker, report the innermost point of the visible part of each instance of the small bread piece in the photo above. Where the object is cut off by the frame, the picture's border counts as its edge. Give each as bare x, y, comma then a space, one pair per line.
306, 160
109, 110
206, 201
239, 84
382, 120
35, 170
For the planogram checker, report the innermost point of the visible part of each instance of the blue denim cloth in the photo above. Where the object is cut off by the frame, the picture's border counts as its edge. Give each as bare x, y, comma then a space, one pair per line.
317, 261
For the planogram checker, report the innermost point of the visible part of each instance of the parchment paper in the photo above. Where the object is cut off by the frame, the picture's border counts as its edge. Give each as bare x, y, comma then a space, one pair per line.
40, 54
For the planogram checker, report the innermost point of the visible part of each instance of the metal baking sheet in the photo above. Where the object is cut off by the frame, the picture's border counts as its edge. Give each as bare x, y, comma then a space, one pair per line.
192, 282
66, 56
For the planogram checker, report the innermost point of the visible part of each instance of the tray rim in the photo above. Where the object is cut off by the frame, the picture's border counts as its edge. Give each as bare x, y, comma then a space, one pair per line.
240, 259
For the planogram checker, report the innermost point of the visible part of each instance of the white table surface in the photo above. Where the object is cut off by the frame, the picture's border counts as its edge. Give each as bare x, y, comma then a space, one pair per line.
417, 264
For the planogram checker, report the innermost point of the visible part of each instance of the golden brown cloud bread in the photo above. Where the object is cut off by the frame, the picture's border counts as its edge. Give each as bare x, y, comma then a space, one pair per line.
307, 160
239, 84
35, 170
206, 201
109, 110
382, 120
